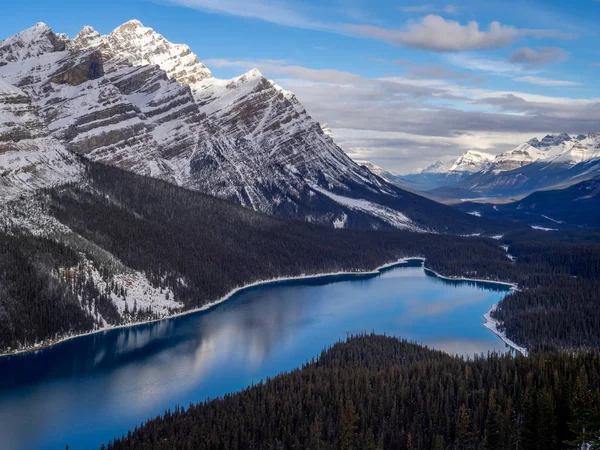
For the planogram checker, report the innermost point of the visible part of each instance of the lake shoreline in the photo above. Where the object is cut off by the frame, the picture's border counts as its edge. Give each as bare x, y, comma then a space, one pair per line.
378, 270
50, 343
492, 325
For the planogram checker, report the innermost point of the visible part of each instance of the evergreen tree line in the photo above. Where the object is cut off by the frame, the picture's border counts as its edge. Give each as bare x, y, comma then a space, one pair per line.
201, 247
376, 392
198, 246
558, 304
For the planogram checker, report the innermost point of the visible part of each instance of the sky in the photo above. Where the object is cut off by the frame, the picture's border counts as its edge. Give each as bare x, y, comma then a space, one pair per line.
400, 83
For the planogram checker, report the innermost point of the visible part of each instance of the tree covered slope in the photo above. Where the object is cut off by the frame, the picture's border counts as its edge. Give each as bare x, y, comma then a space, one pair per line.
117, 248
375, 392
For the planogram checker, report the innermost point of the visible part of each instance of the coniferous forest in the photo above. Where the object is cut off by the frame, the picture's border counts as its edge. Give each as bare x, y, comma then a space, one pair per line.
201, 247
376, 392
371, 392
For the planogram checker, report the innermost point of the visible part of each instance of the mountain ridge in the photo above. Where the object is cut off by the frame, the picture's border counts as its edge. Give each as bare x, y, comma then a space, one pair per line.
134, 100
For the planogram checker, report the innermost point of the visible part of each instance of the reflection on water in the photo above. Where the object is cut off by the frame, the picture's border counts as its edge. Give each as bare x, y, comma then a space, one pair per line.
87, 390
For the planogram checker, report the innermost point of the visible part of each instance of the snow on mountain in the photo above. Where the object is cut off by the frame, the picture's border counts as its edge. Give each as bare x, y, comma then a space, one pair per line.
327, 131
387, 175
437, 167
140, 46
472, 161
31, 43
134, 100
29, 157
256, 143
520, 156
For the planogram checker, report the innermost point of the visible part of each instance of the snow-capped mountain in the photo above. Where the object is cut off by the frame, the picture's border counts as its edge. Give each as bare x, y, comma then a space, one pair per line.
436, 167
520, 156
389, 176
555, 161
134, 100
472, 161
444, 174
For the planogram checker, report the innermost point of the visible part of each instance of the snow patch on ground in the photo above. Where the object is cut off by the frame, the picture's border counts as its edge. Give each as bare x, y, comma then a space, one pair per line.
341, 222
391, 216
493, 325
551, 219
475, 213
508, 255
139, 293
537, 227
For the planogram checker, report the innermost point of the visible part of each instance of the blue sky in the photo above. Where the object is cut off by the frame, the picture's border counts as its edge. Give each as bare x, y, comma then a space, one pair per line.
400, 83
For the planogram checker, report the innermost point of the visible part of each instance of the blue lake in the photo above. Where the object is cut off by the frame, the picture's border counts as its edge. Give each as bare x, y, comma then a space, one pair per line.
85, 391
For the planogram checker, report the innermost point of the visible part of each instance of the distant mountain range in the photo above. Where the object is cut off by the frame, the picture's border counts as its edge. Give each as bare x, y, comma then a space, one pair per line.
555, 161
575, 206
134, 100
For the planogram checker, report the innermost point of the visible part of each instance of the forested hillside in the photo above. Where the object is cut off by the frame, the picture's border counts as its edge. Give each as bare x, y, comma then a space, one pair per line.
558, 305
572, 207
121, 247
376, 392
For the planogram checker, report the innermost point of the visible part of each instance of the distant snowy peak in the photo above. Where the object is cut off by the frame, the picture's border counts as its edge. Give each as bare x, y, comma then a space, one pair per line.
565, 149
472, 161
550, 140
377, 170
520, 156
437, 167
387, 175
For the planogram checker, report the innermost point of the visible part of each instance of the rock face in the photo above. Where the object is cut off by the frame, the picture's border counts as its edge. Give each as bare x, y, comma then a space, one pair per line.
89, 67
29, 157
134, 100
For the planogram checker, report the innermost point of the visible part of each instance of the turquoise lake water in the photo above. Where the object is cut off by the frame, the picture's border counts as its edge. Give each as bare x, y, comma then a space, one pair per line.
87, 390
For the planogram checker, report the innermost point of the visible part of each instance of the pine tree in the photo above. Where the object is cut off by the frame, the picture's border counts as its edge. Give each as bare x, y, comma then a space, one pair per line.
349, 428
370, 440
464, 437
493, 438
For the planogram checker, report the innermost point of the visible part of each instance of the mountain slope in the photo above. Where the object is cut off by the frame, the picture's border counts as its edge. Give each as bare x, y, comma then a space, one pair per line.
577, 205
30, 158
136, 101
118, 248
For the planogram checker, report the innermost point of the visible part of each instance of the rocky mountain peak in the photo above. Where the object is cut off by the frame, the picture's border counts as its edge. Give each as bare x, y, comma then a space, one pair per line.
472, 161
131, 25
31, 43
141, 45
87, 37
551, 140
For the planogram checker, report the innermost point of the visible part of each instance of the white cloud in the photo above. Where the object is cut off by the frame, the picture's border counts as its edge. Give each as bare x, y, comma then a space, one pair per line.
540, 81
484, 64
274, 11
431, 33
401, 123
544, 55
437, 34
